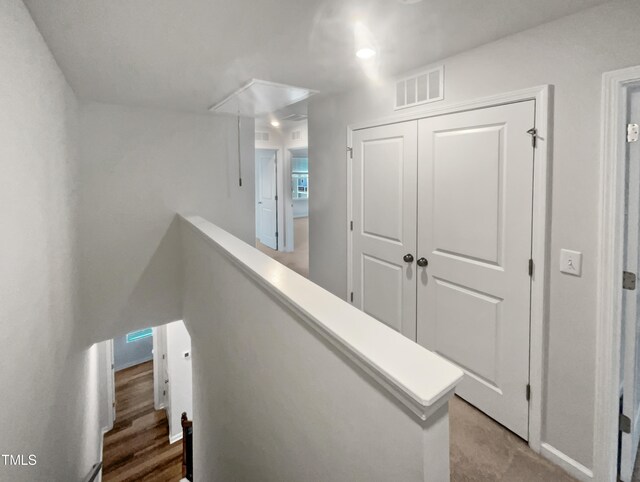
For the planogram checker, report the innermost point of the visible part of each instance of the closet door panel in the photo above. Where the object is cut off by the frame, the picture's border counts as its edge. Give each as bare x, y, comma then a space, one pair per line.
384, 201
475, 176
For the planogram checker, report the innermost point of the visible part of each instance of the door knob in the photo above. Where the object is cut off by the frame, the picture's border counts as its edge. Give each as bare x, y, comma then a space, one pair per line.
422, 262
408, 258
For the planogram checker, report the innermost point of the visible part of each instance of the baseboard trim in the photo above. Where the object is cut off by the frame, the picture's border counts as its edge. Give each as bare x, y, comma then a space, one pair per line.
574, 468
174, 438
133, 363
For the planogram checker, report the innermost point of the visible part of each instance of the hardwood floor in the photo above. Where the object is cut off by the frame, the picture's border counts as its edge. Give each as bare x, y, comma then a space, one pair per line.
137, 448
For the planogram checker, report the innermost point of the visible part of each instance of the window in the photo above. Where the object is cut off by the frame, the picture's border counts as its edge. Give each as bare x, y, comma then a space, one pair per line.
300, 177
139, 335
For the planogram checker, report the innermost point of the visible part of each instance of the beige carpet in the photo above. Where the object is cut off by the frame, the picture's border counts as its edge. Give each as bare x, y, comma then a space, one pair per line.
298, 259
483, 450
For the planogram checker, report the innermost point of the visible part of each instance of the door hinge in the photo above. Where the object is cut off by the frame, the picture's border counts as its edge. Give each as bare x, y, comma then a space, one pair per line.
276, 197
628, 280
625, 423
530, 267
528, 392
351, 225
633, 132
164, 393
113, 404
163, 356
276, 234
350, 151
112, 366
533, 132
351, 297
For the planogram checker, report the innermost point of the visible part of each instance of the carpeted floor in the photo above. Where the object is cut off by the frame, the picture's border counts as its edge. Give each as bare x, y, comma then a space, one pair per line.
483, 450
298, 259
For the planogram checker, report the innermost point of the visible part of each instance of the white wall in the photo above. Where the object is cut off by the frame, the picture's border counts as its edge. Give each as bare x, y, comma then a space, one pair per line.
126, 355
48, 374
139, 167
180, 377
570, 53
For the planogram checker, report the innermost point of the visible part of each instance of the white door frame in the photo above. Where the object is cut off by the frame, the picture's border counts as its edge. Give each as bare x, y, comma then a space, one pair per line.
159, 375
611, 245
111, 387
541, 229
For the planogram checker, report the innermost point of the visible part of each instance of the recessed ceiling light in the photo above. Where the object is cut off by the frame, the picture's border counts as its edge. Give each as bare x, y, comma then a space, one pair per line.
366, 53
275, 123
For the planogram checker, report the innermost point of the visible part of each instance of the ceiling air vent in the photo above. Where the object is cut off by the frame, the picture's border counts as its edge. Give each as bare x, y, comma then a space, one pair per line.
420, 88
262, 136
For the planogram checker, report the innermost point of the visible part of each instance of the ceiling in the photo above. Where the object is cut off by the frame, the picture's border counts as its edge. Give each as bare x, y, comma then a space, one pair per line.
190, 54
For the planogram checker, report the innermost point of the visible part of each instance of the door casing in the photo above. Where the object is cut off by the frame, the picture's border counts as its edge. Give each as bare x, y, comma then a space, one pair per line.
611, 246
542, 95
160, 388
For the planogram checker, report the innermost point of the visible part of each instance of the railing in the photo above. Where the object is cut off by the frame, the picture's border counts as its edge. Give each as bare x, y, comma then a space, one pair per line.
187, 447
93, 473
297, 384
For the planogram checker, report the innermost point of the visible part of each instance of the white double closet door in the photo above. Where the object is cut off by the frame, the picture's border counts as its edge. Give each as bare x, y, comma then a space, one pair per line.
442, 213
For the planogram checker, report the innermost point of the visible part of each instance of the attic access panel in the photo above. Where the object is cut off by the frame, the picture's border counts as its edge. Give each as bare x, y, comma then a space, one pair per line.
260, 97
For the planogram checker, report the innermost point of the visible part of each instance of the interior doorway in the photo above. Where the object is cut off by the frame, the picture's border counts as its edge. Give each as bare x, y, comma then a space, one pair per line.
148, 386
442, 217
282, 164
617, 401
630, 335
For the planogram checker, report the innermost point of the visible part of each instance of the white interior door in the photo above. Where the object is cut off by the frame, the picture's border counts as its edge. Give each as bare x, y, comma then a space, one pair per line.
630, 312
267, 199
475, 172
384, 224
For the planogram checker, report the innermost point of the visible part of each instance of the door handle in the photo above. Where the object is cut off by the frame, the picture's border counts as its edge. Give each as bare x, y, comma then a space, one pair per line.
408, 258
422, 262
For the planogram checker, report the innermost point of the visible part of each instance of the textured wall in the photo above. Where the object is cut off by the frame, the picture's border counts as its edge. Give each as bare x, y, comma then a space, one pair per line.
139, 167
47, 374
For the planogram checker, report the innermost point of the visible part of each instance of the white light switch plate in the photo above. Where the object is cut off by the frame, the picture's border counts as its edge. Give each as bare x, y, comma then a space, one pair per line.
571, 262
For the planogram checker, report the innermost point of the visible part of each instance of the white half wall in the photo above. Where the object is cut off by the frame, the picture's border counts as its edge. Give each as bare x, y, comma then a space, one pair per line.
571, 53
48, 374
180, 377
139, 167
293, 384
